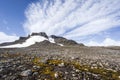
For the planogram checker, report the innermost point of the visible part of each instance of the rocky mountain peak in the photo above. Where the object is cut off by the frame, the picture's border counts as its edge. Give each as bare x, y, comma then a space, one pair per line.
56, 37
40, 34
63, 40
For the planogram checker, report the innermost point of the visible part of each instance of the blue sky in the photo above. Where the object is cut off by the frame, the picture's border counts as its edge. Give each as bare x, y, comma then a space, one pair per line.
12, 16
93, 22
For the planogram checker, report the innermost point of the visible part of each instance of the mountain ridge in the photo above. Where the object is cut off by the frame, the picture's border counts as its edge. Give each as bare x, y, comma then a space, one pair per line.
40, 38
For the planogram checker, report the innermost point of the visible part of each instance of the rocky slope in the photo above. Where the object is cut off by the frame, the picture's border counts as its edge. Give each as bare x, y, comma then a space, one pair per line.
60, 63
46, 60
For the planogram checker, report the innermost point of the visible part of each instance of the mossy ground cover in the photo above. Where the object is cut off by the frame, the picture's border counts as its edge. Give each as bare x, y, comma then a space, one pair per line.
47, 69
103, 73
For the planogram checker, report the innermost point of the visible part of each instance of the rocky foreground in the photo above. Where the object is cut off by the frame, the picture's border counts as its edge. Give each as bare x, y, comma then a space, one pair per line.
60, 63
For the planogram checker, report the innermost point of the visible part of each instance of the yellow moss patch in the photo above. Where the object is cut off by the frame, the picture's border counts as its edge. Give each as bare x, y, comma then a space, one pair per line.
48, 69
54, 62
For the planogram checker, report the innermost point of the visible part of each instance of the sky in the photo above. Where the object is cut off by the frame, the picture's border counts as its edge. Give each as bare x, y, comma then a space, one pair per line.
92, 22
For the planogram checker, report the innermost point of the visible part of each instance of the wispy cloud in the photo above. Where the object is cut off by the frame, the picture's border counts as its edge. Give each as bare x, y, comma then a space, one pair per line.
72, 18
7, 38
106, 42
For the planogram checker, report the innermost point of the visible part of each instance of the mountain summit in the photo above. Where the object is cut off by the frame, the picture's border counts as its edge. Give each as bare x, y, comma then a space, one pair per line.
39, 39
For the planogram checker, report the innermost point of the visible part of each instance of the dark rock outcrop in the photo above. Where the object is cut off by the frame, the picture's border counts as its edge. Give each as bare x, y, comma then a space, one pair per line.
63, 41
40, 34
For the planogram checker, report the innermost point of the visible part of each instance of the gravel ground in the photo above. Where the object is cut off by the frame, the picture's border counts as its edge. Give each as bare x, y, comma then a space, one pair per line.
60, 63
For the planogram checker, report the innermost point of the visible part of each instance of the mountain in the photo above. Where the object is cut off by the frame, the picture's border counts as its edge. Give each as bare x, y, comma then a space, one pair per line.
39, 56
39, 39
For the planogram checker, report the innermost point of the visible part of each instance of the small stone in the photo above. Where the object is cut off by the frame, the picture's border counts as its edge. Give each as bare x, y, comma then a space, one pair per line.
1, 69
35, 73
73, 75
11, 78
20, 66
4, 76
77, 70
61, 65
56, 75
72, 72
76, 78
36, 67
119, 77
65, 78
10, 73
72, 58
66, 72
26, 73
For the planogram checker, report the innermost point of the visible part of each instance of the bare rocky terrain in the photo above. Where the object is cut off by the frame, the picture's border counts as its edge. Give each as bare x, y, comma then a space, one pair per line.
48, 61
60, 63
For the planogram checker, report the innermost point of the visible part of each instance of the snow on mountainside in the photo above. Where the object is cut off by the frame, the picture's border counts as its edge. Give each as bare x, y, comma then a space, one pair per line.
32, 40
38, 38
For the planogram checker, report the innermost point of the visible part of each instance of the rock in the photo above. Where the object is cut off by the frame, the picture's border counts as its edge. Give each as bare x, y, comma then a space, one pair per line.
77, 70
40, 34
26, 73
36, 67
35, 73
72, 58
56, 75
64, 41
4, 76
119, 77
66, 72
76, 78
1, 69
11, 78
73, 75
61, 65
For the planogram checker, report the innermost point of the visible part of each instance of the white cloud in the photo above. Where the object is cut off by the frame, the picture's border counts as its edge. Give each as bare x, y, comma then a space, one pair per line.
106, 42
7, 38
72, 18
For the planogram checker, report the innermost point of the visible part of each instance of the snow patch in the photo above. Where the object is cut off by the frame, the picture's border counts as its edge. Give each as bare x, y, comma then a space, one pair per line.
60, 44
51, 40
32, 40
